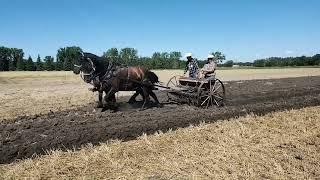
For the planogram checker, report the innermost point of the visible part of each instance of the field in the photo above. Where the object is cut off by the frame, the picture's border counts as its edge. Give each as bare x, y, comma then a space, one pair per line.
249, 138
29, 93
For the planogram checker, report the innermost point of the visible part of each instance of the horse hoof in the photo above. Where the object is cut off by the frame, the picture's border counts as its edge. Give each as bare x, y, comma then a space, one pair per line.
132, 102
99, 106
142, 108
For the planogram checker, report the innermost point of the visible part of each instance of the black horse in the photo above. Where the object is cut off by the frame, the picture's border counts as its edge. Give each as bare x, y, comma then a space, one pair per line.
92, 76
110, 78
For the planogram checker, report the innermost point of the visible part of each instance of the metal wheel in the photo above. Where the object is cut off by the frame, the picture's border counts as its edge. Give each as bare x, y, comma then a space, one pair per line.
173, 84
211, 93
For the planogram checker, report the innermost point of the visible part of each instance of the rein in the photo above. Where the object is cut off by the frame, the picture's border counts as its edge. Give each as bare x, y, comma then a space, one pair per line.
82, 74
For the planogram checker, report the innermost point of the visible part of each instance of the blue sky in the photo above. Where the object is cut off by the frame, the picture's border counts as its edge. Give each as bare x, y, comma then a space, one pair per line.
244, 30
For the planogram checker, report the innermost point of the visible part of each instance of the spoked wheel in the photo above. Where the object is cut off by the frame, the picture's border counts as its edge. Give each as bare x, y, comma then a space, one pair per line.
211, 93
173, 85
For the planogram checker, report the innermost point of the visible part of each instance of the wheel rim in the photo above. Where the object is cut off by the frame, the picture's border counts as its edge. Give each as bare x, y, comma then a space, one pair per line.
218, 93
211, 93
173, 84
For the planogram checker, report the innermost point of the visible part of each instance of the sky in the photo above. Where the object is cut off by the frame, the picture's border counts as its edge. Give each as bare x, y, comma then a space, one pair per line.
243, 30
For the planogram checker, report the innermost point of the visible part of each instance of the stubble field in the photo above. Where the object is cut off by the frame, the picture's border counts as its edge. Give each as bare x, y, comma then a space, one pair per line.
54, 110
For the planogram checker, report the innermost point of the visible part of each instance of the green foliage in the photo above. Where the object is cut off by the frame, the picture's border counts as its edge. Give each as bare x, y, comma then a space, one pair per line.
48, 63
12, 59
67, 57
39, 64
259, 63
4, 58
219, 56
29, 65
16, 56
128, 56
111, 53
175, 57
21, 64
228, 63
288, 61
9, 57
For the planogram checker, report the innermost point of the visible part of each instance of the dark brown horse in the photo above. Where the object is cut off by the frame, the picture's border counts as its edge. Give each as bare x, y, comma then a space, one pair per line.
137, 79
110, 78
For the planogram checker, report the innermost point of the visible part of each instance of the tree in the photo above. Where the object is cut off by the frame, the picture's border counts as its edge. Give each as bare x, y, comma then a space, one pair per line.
157, 62
39, 64
67, 57
16, 55
48, 63
175, 58
228, 63
4, 58
21, 64
316, 59
259, 63
113, 55
29, 66
165, 58
219, 56
11, 58
129, 55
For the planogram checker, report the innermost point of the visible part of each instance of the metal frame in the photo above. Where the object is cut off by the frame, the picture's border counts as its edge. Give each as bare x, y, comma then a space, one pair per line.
197, 92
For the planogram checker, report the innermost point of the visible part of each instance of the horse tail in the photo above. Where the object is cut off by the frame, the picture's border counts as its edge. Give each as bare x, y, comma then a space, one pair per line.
152, 77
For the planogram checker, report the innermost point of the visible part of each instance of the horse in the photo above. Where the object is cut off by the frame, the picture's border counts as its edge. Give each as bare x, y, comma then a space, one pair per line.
91, 77
110, 78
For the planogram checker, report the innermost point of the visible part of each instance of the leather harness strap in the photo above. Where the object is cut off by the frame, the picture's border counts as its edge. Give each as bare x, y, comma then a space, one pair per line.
128, 78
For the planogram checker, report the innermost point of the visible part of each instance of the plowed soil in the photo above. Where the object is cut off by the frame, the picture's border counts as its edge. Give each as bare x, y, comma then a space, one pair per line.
24, 136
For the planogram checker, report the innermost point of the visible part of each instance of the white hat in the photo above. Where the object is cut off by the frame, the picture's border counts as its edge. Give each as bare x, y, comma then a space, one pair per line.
210, 56
188, 54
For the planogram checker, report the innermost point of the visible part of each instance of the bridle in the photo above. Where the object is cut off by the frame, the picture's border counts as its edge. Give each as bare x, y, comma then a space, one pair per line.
92, 74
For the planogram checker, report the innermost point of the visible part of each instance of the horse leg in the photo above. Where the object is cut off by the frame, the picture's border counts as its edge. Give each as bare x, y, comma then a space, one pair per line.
146, 97
133, 97
100, 104
110, 97
112, 100
153, 95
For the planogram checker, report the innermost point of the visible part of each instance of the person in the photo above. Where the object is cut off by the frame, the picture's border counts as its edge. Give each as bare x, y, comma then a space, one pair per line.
209, 68
191, 66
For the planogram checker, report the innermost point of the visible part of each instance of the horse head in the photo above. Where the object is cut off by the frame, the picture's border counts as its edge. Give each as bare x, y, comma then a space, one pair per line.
87, 67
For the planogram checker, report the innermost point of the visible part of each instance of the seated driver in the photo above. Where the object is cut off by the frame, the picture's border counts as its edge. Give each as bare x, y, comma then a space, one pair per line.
209, 68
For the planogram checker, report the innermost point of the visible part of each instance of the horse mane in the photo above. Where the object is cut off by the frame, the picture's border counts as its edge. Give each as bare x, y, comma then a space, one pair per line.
100, 62
94, 58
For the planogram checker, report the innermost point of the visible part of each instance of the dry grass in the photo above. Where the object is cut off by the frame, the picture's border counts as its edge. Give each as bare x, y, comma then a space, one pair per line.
281, 145
28, 93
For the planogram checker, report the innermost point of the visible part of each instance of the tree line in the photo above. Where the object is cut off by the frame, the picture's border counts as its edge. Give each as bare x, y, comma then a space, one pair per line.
288, 61
280, 62
12, 59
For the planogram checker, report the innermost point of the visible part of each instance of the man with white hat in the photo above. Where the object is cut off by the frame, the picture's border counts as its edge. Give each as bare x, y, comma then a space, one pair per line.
191, 66
209, 68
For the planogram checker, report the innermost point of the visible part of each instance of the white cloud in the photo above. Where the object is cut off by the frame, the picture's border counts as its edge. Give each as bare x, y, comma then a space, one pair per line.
288, 52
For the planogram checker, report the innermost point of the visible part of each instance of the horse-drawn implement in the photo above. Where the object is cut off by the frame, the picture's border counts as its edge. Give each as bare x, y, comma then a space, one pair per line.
197, 92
